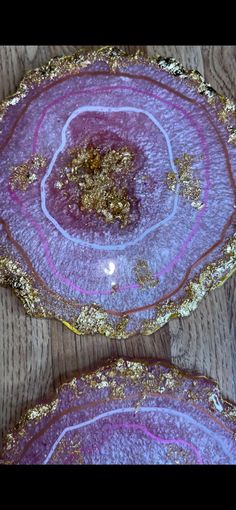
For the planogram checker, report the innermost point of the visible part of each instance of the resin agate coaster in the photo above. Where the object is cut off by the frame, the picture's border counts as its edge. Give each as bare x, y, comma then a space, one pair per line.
117, 196
128, 413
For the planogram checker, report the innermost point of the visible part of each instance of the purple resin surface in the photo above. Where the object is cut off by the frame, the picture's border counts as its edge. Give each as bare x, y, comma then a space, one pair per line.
128, 413
117, 190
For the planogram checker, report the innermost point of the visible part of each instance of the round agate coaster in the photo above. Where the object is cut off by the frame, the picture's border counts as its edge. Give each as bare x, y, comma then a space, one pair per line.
128, 413
117, 196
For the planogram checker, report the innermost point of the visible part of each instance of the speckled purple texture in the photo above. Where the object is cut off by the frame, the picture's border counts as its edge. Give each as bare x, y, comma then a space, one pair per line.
72, 252
129, 413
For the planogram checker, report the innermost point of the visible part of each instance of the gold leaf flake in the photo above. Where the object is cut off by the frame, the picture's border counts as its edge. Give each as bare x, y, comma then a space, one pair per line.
144, 276
189, 185
23, 175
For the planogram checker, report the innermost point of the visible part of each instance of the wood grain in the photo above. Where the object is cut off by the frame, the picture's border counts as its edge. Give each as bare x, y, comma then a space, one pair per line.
37, 354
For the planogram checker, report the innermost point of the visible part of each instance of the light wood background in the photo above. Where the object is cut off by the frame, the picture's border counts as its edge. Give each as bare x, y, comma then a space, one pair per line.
35, 354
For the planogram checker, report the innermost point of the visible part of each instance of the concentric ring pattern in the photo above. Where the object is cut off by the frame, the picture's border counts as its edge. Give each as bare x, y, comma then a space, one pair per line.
117, 195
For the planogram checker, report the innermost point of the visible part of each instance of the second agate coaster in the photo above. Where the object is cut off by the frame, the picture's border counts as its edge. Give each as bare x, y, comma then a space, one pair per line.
128, 413
117, 196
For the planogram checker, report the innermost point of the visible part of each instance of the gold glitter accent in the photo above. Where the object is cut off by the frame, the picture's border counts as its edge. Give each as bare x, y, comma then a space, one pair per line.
134, 372
66, 445
189, 186
41, 410
94, 174
92, 319
13, 276
10, 442
232, 134
114, 56
228, 108
73, 385
230, 413
191, 395
170, 379
23, 90
117, 391
35, 414
96, 380
99, 380
130, 369
143, 276
174, 453
56, 454
168, 64
77, 454
58, 185
203, 88
23, 175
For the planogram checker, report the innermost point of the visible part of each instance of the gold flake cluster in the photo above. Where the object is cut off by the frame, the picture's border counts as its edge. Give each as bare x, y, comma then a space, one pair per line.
228, 107
13, 276
25, 174
143, 275
232, 134
37, 413
94, 174
189, 185
93, 319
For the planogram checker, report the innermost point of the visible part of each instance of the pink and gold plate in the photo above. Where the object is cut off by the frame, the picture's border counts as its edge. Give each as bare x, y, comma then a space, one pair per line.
117, 196
128, 412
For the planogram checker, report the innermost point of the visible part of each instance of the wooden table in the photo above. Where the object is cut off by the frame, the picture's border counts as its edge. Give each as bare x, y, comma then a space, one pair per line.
35, 354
